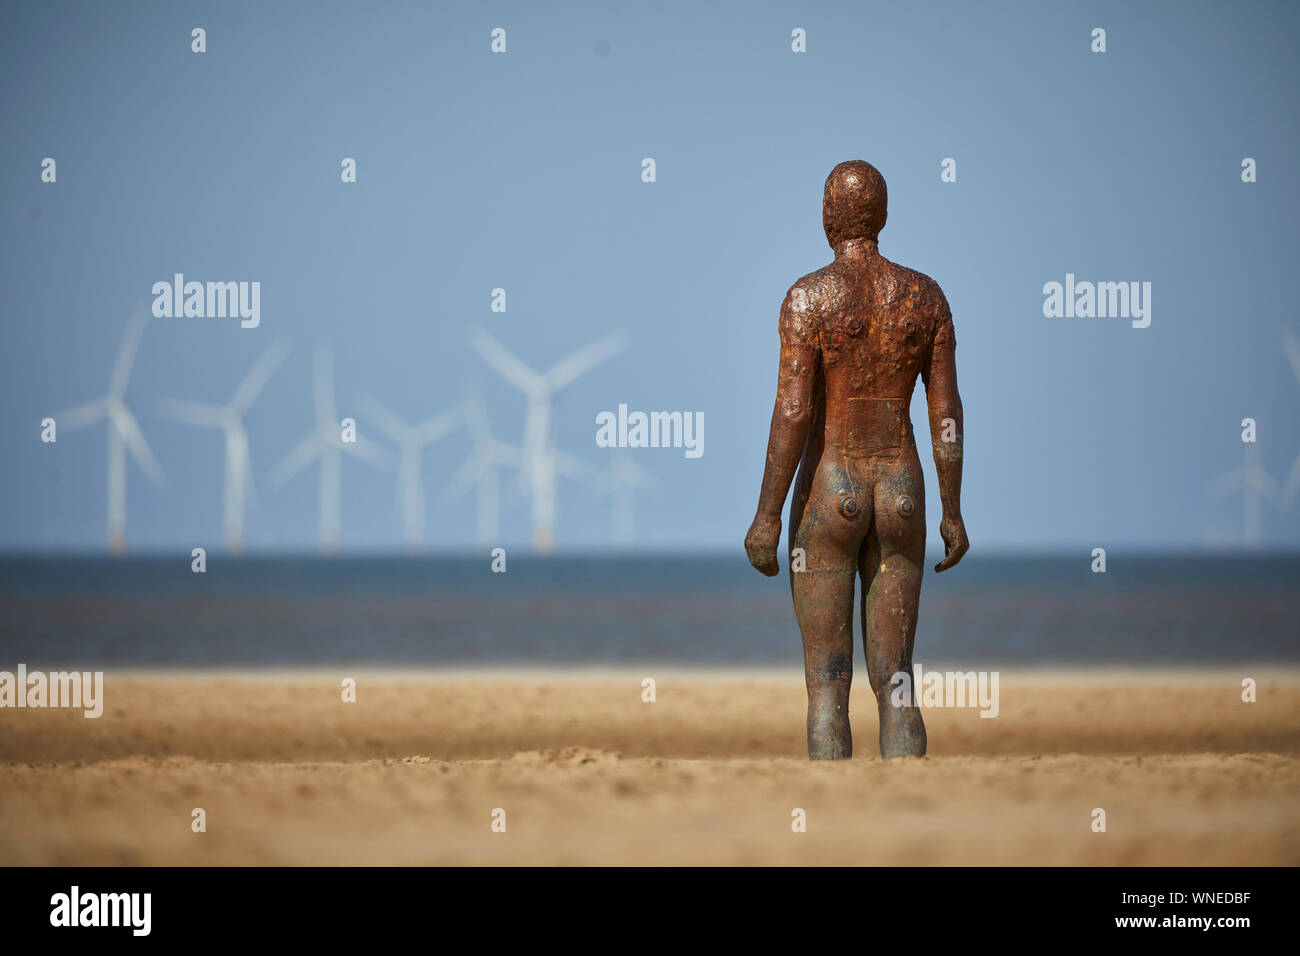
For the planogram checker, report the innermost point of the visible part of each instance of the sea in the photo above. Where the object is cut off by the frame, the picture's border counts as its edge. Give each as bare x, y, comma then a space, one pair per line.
607, 610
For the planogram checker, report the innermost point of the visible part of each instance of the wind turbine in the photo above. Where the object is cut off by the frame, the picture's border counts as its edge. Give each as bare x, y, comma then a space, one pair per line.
123, 431
1255, 485
539, 463
230, 419
411, 441
1291, 486
489, 456
325, 441
620, 481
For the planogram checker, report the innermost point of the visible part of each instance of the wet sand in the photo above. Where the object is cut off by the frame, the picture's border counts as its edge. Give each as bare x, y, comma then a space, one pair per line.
588, 773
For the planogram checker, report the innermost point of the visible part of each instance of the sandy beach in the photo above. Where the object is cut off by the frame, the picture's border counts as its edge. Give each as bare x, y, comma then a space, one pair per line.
586, 772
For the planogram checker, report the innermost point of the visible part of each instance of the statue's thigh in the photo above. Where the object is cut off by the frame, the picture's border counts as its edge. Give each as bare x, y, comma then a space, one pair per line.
893, 563
823, 566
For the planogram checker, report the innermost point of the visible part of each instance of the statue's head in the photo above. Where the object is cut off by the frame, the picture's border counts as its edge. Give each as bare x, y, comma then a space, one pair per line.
854, 205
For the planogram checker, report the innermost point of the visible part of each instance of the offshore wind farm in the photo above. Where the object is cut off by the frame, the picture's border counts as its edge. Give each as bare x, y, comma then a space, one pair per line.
379, 437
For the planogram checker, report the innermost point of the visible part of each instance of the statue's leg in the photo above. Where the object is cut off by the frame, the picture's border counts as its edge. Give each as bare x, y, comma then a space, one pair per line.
892, 562
823, 605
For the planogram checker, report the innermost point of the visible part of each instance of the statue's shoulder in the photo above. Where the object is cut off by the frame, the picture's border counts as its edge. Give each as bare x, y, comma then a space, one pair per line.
917, 283
926, 295
818, 292
808, 300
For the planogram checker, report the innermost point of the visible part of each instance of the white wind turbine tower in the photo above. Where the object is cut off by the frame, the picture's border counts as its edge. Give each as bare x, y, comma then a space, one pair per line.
1254, 484
325, 441
1292, 484
123, 431
539, 461
411, 441
620, 481
489, 456
230, 419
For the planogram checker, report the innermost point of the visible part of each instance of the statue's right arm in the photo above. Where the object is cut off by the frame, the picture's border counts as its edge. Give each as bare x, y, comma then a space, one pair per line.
791, 418
947, 428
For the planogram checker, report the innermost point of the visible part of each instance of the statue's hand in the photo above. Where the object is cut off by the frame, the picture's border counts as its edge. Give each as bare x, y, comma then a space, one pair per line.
761, 543
955, 542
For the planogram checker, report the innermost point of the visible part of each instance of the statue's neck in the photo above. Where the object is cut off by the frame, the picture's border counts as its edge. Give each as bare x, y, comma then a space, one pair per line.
856, 249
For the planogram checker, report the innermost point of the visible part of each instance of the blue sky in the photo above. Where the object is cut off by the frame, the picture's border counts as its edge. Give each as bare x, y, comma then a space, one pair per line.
523, 171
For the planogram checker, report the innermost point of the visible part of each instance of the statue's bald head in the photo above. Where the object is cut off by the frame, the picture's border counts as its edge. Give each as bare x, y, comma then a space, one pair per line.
855, 203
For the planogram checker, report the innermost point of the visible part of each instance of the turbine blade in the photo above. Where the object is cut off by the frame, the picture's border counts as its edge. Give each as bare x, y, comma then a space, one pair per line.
193, 413
1260, 481
585, 359
1234, 480
368, 451
129, 430
126, 351
298, 459
505, 364
1291, 344
388, 422
572, 467
259, 375
464, 478
1292, 483
628, 472
82, 415
476, 417
440, 425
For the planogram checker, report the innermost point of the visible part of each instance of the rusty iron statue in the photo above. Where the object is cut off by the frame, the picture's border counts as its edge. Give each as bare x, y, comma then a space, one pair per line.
854, 337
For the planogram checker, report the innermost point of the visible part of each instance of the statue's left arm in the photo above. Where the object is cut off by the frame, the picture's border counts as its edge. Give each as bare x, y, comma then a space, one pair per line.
791, 418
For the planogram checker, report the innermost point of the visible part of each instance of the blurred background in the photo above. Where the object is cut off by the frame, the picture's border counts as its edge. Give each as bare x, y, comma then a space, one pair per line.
523, 171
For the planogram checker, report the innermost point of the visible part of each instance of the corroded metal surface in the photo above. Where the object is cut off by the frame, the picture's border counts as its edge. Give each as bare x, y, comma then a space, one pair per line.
855, 336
